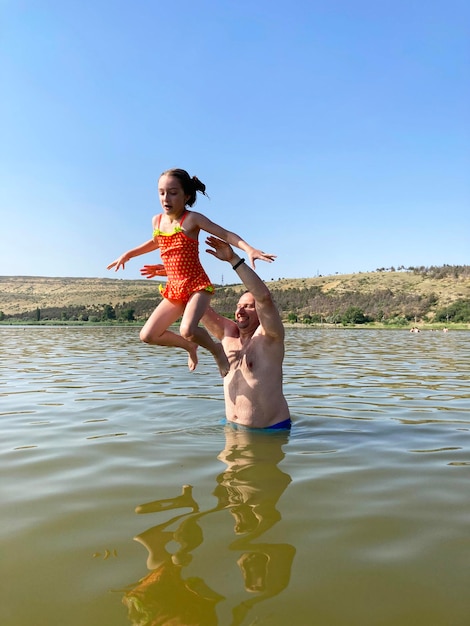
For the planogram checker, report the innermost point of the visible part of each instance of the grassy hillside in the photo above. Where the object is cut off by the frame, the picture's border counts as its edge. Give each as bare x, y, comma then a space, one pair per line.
446, 289
380, 294
19, 294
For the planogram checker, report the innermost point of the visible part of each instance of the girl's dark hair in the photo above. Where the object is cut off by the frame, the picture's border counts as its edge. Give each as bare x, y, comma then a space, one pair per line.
190, 184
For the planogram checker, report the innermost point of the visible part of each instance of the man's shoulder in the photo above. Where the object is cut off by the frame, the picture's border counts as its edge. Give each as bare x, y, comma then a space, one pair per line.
230, 329
272, 332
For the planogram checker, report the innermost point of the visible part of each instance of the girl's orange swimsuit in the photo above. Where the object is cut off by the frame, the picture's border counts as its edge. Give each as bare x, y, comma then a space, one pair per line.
180, 256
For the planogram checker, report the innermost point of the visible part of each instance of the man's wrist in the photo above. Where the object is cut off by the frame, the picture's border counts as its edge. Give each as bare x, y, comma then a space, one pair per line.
236, 261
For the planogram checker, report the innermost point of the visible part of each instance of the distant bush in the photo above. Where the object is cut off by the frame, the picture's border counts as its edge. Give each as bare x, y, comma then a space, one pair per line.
458, 311
354, 315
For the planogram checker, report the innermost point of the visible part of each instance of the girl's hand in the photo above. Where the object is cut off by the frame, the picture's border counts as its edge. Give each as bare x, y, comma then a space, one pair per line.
254, 255
150, 271
120, 262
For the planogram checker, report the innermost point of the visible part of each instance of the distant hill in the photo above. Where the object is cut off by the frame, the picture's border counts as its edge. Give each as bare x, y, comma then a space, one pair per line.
20, 294
383, 294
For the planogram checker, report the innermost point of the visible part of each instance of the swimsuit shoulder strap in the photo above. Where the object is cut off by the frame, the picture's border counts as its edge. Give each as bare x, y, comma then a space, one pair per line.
156, 230
185, 215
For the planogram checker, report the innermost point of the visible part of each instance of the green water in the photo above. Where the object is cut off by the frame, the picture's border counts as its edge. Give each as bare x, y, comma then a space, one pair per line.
125, 500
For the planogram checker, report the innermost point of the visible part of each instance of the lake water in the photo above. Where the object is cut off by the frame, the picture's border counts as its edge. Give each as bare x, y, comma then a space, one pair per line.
126, 500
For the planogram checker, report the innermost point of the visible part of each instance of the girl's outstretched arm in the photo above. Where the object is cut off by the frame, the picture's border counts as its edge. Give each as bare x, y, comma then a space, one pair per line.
121, 261
233, 239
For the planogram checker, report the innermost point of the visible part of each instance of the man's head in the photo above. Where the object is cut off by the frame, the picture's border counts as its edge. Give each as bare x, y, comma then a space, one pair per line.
246, 315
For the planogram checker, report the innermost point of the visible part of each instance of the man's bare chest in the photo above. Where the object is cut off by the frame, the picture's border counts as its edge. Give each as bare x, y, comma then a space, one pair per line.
248, 357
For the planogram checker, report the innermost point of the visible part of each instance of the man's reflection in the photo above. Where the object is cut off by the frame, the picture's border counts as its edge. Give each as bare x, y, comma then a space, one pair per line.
249, 488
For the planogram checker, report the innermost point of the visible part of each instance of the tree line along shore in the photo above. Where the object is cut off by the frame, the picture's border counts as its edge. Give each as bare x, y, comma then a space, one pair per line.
435, 296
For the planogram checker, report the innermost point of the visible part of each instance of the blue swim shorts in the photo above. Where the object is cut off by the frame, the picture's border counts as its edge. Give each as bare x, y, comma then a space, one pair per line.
280, 425
284, 425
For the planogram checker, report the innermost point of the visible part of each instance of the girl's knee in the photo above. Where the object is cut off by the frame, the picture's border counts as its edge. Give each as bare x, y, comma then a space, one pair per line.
187, 331
144, 336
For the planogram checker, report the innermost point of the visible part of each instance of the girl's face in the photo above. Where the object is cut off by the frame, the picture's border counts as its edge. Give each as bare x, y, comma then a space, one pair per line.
172, 197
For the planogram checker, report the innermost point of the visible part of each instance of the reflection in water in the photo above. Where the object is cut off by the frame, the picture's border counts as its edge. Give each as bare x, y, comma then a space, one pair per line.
249, 489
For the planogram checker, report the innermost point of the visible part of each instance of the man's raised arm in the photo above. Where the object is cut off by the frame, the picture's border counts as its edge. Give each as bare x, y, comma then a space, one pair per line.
268, 314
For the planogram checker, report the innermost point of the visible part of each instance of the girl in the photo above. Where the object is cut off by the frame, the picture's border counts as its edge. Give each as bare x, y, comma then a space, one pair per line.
188, 290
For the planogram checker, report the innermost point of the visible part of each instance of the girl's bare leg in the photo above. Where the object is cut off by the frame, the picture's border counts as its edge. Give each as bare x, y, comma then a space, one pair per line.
155, 330
191, 330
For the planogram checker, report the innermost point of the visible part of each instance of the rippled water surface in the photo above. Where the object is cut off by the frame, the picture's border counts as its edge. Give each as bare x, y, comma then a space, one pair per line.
125, 500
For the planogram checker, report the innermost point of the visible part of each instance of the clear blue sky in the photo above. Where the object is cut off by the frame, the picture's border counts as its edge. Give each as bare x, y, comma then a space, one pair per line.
333, 133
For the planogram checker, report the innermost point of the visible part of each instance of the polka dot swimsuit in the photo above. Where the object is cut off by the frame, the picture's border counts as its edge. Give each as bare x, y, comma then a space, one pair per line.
180, 256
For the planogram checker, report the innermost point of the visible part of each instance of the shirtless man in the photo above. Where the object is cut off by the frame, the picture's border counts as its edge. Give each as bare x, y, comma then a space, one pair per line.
254, 345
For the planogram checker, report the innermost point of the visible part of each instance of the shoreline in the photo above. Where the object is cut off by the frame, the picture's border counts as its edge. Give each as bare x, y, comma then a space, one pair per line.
422, 327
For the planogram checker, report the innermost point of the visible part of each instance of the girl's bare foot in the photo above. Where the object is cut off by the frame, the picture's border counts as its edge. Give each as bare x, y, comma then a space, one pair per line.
192, 357
221, 360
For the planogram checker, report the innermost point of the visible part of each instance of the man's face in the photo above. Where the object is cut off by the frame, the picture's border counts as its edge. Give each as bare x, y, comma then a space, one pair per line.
246, 316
